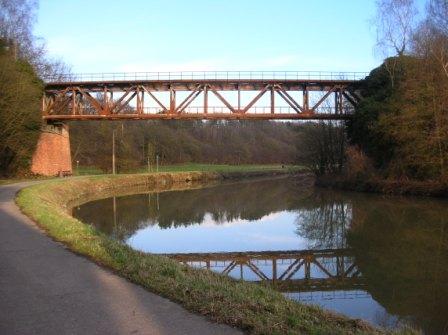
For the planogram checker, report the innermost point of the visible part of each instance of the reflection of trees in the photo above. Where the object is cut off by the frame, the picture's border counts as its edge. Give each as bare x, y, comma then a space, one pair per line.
401, 247
225, 203
324, 221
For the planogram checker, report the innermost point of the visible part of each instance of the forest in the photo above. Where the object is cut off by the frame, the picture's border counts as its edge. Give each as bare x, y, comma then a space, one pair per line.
174, 142
400, 128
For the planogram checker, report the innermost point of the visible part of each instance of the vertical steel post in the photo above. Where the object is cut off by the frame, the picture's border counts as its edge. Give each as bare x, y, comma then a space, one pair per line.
172, 100
239, 98
336, 102
305, 98
143, 101
272, 100
274, 269
205, 99
106, 101
137, 91
73, 102
113, 152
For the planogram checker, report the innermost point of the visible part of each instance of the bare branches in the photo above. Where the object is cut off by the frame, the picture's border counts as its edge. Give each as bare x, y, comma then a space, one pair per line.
438, 15
395, 21
17, 18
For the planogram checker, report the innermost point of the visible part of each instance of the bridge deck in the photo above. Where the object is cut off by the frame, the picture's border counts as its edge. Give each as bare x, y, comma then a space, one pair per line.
305, 96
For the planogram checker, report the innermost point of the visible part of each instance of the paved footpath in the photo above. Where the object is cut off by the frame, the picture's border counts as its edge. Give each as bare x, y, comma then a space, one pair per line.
46, 289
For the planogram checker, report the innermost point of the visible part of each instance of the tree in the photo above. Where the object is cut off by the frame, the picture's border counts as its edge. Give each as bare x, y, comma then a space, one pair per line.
322, 147
17, 18
20, 96
394, 22
437, 13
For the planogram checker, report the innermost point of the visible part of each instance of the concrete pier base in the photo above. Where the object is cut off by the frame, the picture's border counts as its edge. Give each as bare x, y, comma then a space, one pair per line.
52, 156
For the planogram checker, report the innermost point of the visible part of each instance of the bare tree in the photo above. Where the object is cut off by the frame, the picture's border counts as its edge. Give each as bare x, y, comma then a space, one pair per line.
431, 38
394, 21
438, 15
17, 18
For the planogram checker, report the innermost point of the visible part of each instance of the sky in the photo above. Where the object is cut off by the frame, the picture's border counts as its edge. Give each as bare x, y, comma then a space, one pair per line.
201, 35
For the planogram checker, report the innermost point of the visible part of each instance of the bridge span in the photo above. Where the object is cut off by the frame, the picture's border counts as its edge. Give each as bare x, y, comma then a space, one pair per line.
219, 95
189, 95
287, 271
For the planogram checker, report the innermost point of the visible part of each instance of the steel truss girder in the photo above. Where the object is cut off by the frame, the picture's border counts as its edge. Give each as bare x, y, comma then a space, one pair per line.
337, 267
78, 102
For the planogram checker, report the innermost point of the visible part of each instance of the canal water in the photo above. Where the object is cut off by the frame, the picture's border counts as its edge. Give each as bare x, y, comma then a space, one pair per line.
379, 258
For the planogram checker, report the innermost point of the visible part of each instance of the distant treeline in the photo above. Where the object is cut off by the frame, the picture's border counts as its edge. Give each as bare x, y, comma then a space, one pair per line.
223, 142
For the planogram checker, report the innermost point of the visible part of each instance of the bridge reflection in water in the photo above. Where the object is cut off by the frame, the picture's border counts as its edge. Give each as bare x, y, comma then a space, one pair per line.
286, 271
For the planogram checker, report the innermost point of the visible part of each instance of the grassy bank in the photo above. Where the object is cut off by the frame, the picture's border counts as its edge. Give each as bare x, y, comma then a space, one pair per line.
254, 308
188, 167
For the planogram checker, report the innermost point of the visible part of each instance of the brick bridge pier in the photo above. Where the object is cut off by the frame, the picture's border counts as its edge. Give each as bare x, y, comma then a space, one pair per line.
52, 155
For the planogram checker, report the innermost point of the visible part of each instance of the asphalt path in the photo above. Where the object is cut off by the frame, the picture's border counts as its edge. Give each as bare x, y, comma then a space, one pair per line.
46, 289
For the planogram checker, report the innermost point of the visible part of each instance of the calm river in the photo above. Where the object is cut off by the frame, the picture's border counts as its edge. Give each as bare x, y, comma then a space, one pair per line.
382, 259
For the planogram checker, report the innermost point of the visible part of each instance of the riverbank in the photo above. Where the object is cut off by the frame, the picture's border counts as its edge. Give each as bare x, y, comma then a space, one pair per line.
201, 167
254, 308
386, 186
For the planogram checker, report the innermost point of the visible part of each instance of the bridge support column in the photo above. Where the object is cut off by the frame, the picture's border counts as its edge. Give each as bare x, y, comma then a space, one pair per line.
52, 156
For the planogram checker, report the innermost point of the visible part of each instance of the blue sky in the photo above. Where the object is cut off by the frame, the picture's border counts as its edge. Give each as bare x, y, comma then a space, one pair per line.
115, 36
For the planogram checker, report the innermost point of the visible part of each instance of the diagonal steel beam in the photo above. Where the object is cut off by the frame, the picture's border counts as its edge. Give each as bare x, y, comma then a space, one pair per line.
288, 98
349, 98
224, 101
256, 270
98, 107
189, 99
294, 267
284, 97
155, 99
257, 97
229, 268
350, 269
320, 266
317, 104
116, 103
126, 102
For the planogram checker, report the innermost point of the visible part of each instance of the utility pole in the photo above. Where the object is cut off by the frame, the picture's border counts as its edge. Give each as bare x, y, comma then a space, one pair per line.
113, 152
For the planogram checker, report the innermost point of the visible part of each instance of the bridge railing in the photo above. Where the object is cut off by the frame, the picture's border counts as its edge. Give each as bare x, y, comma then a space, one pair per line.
206, 75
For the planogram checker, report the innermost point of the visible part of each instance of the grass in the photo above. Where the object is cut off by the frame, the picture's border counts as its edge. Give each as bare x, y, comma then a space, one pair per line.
8, 181
187, 167
253, 308
86, 171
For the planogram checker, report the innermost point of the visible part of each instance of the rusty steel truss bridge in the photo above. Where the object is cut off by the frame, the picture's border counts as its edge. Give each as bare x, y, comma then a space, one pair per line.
201, 95
288, 271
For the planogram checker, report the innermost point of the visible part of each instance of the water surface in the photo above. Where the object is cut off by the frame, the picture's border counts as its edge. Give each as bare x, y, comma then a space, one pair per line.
383, 259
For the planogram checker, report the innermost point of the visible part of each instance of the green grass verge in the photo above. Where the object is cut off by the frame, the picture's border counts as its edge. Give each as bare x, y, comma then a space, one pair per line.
187, 167
8, 181
254, 308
